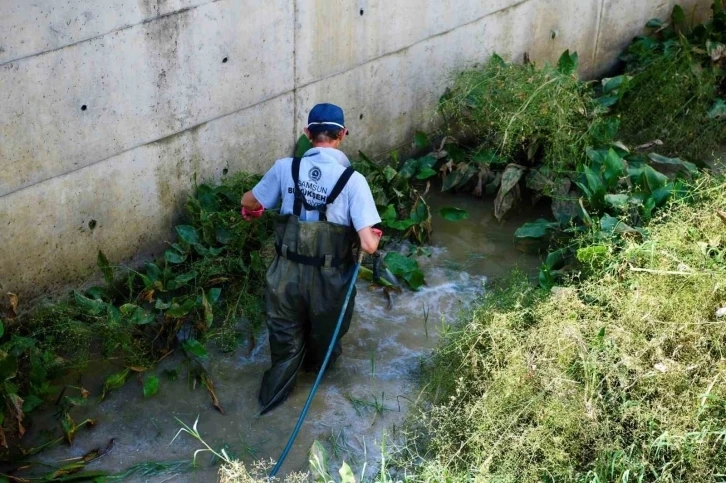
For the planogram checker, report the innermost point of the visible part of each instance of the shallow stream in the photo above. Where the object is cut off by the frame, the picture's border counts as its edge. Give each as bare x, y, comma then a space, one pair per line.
381, 355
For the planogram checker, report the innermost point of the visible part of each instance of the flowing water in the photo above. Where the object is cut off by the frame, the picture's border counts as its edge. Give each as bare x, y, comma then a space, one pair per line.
364, 396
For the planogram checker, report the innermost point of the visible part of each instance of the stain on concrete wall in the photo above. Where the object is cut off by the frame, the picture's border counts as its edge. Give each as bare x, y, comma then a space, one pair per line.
109, 110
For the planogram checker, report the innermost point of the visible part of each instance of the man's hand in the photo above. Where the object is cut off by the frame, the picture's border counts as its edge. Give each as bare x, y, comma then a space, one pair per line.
369, 239
248, 215
251, 208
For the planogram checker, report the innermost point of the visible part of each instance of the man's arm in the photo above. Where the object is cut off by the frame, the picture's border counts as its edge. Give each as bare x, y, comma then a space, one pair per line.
266, 194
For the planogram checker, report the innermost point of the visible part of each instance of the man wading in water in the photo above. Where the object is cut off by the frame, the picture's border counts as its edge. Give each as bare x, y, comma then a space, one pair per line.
324, 203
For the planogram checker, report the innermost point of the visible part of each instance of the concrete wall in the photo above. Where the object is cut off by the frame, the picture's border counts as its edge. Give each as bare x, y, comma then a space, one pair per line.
110, 109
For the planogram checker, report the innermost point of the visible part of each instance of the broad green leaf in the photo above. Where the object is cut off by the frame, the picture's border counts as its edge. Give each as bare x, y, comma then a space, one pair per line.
90, 306
420, 213
556, 258
153, 272
318, 463
161, 305
389, 173
399, 264
302, 146
672, 165
207, 198
614, 169
180, 310
195, 348
2, 328
409, 168
427, 161
402, 225
151, 386
450, 213
141, 316
607, 101
389, 214
613, 84
654, 23
105, 267
184, 278
188, 234
68, 427
507, 195
425, 173
653, 179
679, 15
128, 309
568, 63
539, 229
459, 177
414, 279
609, 224
619, 201
597, 156
346, 474
595, 185
421, 140
661, 195
31, 402
114, 381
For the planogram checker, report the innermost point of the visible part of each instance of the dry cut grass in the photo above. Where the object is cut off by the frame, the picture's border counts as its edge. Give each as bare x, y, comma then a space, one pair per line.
621, 377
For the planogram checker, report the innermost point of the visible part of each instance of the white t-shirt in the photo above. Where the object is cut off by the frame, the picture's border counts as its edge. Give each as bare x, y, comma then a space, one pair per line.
320, 169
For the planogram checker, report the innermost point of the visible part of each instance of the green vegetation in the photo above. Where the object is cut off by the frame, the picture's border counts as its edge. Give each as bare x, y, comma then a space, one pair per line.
522, 113
675, 94
615, 378
208, 286
610, 368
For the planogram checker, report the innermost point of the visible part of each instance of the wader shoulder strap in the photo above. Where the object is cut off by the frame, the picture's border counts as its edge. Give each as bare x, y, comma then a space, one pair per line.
338, 188
301, 201
299, 198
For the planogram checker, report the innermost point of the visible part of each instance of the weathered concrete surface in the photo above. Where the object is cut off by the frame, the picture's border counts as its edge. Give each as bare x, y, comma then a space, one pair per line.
333, 37
130, 200
162, 108
397, 93
55, 24
138, 85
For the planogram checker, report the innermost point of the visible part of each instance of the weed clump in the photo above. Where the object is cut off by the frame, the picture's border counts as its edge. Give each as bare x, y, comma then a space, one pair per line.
617, 378
676, 88
523, 113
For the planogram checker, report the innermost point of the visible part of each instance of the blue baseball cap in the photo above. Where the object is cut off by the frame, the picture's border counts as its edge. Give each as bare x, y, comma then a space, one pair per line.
326, 116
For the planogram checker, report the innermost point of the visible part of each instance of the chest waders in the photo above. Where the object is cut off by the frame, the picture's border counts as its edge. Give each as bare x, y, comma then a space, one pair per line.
306, 287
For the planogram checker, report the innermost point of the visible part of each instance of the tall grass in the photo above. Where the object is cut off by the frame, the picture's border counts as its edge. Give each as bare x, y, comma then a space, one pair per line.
620, 377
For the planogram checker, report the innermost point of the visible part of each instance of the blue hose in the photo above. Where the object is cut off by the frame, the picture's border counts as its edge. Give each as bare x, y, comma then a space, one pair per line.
304, 412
